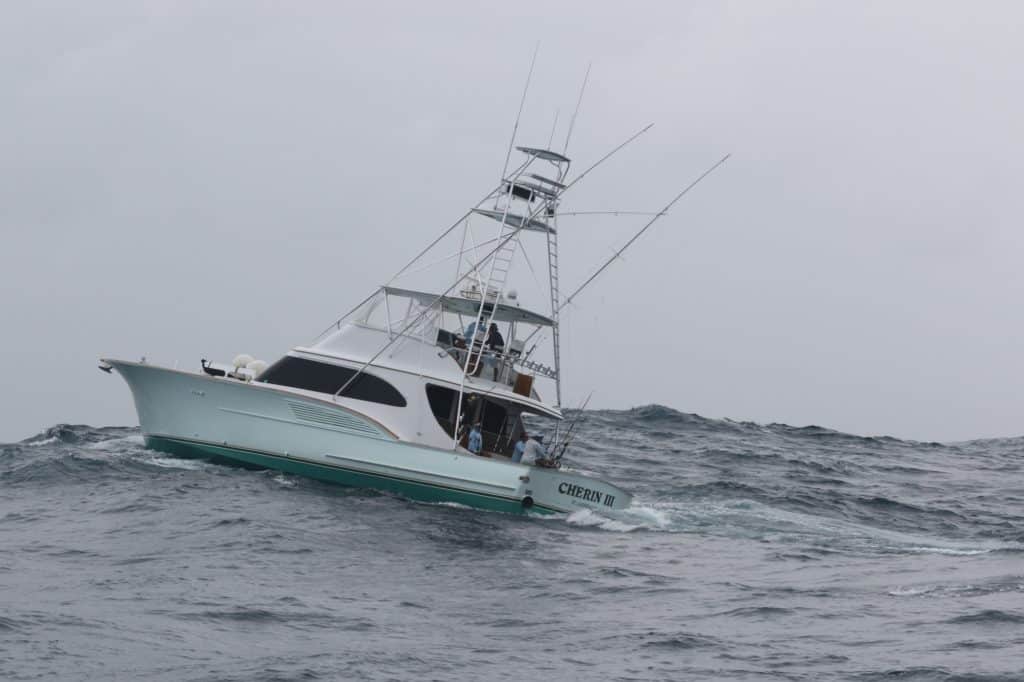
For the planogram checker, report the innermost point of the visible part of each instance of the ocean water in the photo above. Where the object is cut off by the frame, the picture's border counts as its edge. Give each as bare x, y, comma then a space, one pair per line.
752, 552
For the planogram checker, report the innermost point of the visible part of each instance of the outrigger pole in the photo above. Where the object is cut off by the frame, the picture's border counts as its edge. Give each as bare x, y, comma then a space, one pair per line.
564, 443
636, 236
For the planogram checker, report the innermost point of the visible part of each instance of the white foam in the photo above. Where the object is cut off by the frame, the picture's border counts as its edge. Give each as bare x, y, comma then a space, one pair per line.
45, 441
951, 551
284, 480
750, 519
453, 505
590, 518
106, 444
174, 463
911, 591
955, 590
651, 517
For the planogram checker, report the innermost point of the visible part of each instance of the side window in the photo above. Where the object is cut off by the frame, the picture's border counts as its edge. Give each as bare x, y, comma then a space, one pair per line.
324, 378
442, 404
493, 417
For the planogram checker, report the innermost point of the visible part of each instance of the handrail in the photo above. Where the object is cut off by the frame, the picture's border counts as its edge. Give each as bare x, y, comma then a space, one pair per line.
513, 359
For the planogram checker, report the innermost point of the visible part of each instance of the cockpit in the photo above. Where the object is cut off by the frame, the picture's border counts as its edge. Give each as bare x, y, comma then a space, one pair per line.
501, 421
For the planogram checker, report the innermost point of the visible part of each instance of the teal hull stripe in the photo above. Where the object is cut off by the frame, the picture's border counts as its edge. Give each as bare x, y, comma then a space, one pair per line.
331, 473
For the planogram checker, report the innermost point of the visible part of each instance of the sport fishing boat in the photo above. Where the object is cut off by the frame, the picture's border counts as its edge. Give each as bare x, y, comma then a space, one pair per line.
386, 396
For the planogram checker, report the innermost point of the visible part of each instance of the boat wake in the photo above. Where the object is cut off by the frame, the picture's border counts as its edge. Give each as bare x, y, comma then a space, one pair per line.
745, 520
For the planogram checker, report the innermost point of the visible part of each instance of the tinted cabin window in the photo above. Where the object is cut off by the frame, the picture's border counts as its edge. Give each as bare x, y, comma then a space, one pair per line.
441, 401
493, 417
324, 378
442, 404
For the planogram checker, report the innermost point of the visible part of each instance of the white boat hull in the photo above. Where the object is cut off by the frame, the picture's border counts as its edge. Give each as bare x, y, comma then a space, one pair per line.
266, 426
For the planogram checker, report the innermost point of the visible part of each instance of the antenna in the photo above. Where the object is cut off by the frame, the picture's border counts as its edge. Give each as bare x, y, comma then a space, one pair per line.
515, 128
551, 138
579, 100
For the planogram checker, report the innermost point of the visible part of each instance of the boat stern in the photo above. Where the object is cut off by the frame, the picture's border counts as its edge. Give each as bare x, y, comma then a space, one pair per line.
568, 491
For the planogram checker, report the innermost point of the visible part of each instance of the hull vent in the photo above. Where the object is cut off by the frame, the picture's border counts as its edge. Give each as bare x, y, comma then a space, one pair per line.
335, 419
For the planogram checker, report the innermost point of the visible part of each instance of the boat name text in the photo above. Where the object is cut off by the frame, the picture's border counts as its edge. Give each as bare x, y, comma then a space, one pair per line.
586, 494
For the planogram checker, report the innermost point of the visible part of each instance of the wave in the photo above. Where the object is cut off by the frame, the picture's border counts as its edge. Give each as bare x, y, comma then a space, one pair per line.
689, 474
989, 617
662, 415
943, 591
77, 453
77, 434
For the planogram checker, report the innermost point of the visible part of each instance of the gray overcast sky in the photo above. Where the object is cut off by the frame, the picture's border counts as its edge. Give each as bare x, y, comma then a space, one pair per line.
180, 180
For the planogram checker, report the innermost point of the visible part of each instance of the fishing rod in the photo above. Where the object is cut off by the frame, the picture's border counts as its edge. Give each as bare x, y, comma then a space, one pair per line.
571, 430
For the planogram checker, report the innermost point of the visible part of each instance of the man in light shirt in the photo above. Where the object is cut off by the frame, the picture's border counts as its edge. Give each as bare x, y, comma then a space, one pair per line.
534, 452
517, 453
476, 439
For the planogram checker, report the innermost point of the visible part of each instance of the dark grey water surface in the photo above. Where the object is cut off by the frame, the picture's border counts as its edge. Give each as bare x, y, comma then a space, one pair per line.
752, 552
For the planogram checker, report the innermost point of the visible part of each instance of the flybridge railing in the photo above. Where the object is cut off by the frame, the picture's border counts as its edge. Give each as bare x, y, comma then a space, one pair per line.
502, 361
537, 367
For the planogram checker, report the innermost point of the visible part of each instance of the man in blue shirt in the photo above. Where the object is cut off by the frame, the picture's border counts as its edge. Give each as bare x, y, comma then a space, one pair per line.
476, 439
517, 453
471, 333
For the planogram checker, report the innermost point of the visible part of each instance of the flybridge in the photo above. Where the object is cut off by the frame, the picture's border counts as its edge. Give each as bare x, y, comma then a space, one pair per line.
545, 154
518, 221
469, 307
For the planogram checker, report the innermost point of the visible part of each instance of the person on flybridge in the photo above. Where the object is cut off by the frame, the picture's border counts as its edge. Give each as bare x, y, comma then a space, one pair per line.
473, 334
495, 344
494, 338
